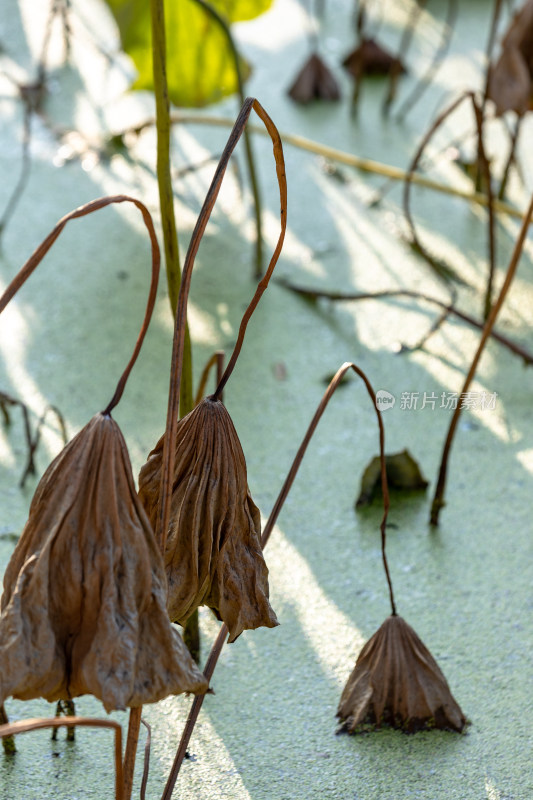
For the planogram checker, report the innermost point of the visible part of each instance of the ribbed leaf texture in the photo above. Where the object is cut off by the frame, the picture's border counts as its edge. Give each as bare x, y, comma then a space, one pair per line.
397, 682
213, 555
83, 609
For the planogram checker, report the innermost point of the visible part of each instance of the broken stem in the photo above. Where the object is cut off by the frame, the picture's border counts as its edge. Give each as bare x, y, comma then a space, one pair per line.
448, 308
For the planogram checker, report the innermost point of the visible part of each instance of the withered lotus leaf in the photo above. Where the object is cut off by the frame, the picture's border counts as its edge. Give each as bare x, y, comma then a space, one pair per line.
370, 58
397, 682
213, 554
83, 609
315, 81
511, 78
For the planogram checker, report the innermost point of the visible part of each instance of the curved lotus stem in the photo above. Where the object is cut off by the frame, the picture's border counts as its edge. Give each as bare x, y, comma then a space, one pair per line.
25, 725
181, 313
37, 256
337, 378
223, 632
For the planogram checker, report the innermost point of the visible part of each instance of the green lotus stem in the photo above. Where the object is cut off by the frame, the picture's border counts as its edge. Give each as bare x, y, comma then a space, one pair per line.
172, 262
164, 181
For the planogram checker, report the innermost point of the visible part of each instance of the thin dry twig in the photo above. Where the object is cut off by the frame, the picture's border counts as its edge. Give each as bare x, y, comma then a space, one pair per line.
426, 80
448, 308
363, 164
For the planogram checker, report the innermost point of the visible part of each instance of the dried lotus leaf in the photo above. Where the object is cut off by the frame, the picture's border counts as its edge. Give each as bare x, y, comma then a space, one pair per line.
403, 473
371, 58
83, 608
397, 682
315, 81
213, 553
511, 78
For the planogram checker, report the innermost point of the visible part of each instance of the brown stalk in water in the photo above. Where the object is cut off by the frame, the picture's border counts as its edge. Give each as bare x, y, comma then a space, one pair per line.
223, 632
438, 499
447, 309
484, 168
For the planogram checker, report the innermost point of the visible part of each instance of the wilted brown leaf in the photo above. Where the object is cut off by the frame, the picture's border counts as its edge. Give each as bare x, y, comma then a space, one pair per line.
370, 58
83, 608
397, 682
213, 554
315, 81
403, 473
511, 78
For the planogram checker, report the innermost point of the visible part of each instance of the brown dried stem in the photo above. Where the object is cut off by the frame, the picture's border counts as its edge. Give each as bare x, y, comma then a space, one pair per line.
301, 452
396, 70
448, 308
23, 726
179, 332
289, 480
438, 499
490, 47
37, 256
426, 80
34, 443
130, 754
146, 768
411, 171
484, 165
216, 360
510, 158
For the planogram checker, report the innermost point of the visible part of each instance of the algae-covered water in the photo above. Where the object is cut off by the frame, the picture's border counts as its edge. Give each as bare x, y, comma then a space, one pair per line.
268, 732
